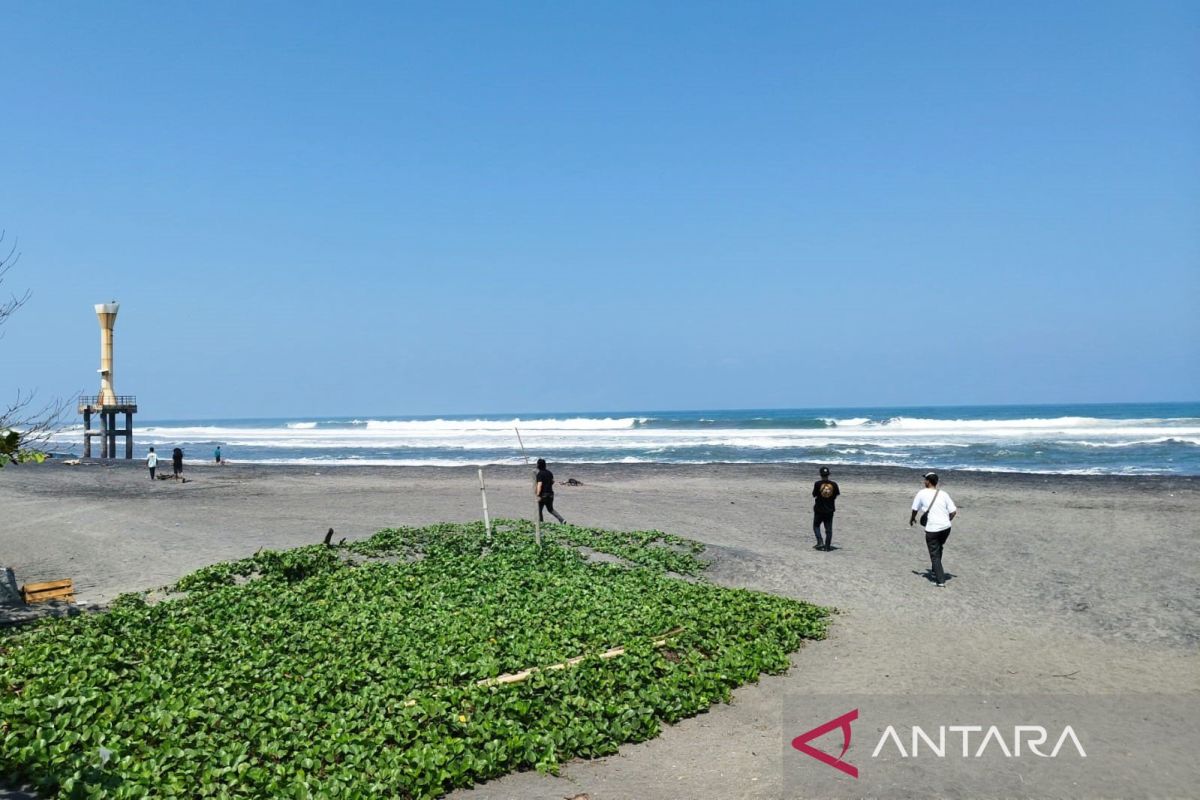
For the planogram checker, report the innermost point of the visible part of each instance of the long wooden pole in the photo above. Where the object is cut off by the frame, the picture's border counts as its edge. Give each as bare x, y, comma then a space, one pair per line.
537, 523
612, 652
487, 523
525, 674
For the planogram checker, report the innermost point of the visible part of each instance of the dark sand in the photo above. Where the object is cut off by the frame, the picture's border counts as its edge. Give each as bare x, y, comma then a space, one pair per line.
1061, 585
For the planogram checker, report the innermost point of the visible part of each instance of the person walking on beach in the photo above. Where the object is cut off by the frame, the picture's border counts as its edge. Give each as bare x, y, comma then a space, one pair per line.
543, 488
217, 454
937, 511
177, 462
825, 493
152, 462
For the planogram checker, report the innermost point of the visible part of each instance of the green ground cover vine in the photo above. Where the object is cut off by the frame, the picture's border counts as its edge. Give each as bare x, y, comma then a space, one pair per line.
352, 671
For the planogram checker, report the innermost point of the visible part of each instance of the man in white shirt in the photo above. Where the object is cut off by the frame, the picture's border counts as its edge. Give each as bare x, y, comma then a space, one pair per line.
152, 462
937, 510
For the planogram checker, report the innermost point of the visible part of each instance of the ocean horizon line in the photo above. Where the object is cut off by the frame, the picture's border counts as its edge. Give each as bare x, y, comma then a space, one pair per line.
625, 412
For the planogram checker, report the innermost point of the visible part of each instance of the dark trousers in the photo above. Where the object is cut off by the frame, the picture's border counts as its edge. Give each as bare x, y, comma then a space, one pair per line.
935, 541
152, 473
823, 518
546, 501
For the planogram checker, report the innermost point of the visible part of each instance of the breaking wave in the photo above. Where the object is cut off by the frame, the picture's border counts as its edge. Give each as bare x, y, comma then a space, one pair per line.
1159, 438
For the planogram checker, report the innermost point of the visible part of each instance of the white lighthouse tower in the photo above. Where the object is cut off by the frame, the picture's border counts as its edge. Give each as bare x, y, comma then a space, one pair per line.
107, 403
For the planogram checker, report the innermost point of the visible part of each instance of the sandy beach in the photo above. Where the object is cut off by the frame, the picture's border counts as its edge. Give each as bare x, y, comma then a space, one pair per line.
1076, 585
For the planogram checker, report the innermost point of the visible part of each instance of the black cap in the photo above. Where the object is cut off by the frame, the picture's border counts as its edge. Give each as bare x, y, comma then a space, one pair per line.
824, 470
931, 477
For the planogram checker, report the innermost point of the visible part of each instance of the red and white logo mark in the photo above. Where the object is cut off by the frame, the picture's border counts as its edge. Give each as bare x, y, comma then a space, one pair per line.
843, 722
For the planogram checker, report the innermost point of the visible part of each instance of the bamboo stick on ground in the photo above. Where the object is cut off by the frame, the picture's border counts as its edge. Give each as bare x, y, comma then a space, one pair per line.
525, 674
487, 523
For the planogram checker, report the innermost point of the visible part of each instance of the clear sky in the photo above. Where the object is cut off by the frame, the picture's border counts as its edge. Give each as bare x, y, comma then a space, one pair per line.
393, 208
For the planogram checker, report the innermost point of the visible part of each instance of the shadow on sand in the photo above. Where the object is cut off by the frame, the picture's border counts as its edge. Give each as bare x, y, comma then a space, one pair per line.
928, 575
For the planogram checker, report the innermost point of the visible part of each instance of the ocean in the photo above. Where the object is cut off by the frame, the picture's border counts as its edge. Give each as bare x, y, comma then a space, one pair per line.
1125, 439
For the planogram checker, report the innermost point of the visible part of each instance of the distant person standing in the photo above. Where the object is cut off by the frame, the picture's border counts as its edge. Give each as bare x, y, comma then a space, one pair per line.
543, 488
152, 462
177, 462
937, 511
825, 493
217, 454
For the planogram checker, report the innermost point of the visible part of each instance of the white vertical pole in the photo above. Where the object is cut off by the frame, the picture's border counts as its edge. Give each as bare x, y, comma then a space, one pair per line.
487, 523
537, 524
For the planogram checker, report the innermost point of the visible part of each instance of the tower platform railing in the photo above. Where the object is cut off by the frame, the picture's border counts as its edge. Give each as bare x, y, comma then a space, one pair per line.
92, 402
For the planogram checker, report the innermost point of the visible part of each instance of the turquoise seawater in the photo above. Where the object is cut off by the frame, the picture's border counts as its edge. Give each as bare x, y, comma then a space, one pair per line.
1145, 438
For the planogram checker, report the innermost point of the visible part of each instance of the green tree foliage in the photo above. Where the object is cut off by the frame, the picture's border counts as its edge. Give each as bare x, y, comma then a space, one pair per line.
9, 442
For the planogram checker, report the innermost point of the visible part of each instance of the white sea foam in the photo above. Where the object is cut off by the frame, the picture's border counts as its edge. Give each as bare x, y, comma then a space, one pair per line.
1034, 423
857, 451
1063, 470
616, 434
381, 462
507, 426
1134, 442
988, 444
317, 462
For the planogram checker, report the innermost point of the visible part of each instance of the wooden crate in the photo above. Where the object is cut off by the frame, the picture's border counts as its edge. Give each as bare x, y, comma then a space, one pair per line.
48, 590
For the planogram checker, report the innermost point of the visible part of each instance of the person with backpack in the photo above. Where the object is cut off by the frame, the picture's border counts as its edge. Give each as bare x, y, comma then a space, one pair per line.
937, 511
825, 493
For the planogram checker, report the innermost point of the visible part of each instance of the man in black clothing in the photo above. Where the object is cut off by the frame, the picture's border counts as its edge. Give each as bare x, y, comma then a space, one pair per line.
825, 493
543, 488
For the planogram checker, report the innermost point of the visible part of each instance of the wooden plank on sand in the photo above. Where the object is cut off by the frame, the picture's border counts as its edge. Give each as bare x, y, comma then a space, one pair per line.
48, 590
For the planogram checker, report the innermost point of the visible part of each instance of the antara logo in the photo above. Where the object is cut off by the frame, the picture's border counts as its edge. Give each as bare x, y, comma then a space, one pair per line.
801, 743
1033, 737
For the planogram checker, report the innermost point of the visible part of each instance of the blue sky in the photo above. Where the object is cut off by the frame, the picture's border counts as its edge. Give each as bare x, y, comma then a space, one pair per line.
391, 208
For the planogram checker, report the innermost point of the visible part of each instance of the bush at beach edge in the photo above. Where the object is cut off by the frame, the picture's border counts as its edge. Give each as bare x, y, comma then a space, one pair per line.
363, 670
